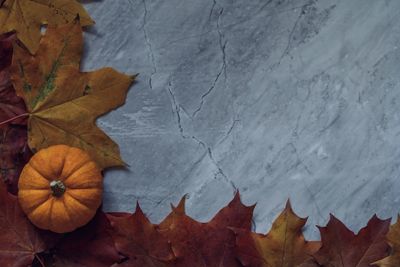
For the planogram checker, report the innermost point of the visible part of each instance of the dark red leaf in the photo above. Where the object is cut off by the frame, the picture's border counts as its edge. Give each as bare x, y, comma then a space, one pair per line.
91, 245
341, 247
138, 240
14, 151
206, 244
20, 241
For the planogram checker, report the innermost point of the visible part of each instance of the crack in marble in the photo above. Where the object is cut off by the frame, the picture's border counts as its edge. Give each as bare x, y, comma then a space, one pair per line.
290, 38
215, 163
222, 42
194, 166
176, 110
330, 124
266, 4
228, 133
212, 9
222, 45
149, 46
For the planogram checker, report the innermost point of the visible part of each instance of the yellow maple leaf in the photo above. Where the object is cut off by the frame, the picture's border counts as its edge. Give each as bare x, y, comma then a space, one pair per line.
283, 246
63, 103
393, 238
26, 17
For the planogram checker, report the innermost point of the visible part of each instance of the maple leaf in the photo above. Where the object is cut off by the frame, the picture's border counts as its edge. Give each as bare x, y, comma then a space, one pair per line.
14, 152
20, 241
209, 244
63, 103
393, 238
284, 245
341, 247
26, 17
10, 104
91, 245
138, 240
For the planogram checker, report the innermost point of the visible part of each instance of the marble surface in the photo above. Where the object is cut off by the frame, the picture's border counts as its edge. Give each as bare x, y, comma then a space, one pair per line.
280, 99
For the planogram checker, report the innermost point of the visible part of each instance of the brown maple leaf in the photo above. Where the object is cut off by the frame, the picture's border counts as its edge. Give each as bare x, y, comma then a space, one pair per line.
63, 103
209, 244
283, 246
342, 248
91, 245
20, 241
393, 238
14, 152
139, 241
26, 17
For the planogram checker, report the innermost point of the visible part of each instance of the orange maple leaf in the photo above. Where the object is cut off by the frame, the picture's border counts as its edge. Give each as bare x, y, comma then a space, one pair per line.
393, 238
283, 246
63, 103
26, 17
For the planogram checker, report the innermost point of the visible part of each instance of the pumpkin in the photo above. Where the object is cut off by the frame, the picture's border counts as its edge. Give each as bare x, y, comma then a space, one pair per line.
60, 188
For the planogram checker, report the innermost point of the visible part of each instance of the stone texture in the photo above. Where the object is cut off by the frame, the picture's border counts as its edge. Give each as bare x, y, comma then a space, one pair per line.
280, 99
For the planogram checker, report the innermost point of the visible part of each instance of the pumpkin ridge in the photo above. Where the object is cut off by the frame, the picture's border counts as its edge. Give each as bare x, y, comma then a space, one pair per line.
29, 165
37, 204
67, 211
31, 212
77, 200
82, 188
76, 169
50, 213
33, 208
87, 202
85, 180
39, 172
74, 181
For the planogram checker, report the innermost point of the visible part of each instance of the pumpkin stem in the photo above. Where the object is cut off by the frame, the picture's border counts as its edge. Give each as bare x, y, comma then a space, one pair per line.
58, 188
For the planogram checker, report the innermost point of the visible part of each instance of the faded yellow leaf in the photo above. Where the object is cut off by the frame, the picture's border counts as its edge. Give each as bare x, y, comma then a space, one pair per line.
63, 103
283, 246
26, 17
393, 238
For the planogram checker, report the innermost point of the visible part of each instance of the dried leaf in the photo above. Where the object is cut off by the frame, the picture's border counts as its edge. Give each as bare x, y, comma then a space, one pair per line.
393, 238
91, 245
206, 244
63, 103
14, 151
341, 247
283, 246
20, 241
26, 17
138, 240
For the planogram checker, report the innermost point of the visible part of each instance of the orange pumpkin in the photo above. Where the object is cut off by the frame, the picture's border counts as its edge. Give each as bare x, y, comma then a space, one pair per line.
60, 188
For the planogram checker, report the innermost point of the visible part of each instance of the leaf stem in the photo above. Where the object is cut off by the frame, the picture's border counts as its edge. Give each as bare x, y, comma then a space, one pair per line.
40, 260
14, 118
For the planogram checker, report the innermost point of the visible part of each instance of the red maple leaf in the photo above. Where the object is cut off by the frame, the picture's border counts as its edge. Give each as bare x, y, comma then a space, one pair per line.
139, 241
341, 247
20, 241
91, 245
209, 244
14, 151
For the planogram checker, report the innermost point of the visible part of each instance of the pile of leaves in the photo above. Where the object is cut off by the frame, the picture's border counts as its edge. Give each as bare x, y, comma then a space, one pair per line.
45, 99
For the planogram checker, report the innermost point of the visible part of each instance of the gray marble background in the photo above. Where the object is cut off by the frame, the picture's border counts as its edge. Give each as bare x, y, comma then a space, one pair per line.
276, 98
